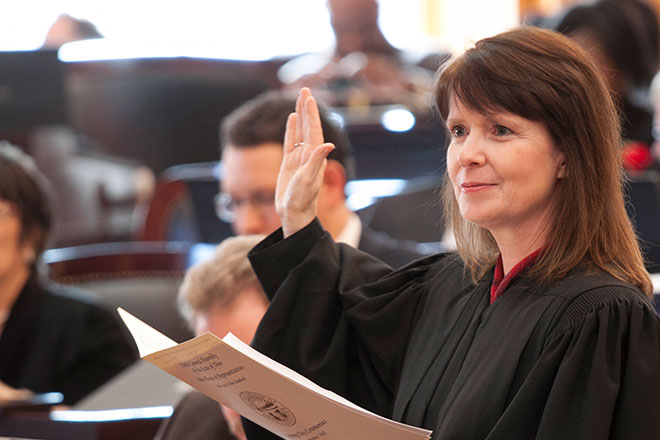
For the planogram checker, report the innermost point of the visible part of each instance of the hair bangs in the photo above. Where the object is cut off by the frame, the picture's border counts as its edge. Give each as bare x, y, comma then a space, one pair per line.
484, 80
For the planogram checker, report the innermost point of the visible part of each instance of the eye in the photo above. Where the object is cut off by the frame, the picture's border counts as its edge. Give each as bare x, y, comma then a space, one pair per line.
264, 198
501, 130
457, 131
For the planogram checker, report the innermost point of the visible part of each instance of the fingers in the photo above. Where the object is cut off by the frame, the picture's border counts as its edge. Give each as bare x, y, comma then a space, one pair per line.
301, 174
291, 133
299, 111
312, 172
312, 131
308, 123
317, 160
305, 93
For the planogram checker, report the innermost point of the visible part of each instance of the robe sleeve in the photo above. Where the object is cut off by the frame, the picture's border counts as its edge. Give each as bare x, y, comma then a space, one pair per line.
337, 315
598, 376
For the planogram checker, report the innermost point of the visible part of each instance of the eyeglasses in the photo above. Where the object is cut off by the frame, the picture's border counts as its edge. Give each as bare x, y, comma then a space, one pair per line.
226, 206
7, 209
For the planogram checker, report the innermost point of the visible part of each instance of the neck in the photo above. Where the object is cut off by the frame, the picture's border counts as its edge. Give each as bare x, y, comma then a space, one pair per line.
335, 220
514, 249
11, 285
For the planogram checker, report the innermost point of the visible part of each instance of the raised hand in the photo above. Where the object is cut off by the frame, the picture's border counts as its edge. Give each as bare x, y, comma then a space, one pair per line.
301, 174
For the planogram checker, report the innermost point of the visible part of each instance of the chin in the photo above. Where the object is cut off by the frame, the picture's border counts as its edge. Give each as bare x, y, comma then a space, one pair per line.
478, 218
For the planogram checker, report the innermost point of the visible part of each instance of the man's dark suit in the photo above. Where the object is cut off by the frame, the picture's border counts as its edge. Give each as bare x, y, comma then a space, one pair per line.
196, 417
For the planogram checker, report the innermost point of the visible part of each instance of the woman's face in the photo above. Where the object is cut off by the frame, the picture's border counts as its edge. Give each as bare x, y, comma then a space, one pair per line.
13, 250
503, 169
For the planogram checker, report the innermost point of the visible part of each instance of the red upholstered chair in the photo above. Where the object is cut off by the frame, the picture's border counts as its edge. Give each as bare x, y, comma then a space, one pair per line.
171, 202
182, 207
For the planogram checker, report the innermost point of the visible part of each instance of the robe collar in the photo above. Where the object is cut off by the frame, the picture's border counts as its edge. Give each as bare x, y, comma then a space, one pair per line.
501, 282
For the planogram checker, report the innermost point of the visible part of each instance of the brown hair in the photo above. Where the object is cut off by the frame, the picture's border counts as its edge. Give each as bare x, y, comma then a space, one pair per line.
545, 77
220, 279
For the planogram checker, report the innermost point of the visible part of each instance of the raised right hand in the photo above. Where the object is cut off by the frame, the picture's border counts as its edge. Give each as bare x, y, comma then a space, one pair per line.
303, 166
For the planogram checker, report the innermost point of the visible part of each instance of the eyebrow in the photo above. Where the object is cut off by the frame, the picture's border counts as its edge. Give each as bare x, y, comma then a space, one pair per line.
451, 121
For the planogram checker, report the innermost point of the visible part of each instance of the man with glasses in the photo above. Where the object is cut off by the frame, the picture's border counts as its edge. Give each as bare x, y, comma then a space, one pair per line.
252, 137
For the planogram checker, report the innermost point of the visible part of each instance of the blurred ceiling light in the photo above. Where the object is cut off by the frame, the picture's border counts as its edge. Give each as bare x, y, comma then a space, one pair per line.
112, 414
106, 49
398, 120
362, 193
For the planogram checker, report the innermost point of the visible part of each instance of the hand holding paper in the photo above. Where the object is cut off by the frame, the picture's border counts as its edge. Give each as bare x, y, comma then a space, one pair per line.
262, 390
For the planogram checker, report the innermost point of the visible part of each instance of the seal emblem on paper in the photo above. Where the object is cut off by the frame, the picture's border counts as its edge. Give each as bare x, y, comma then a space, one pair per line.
269, 408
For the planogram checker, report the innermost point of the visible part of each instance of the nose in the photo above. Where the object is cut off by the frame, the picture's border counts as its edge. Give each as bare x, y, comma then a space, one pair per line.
249, 220
471, 153
254, 219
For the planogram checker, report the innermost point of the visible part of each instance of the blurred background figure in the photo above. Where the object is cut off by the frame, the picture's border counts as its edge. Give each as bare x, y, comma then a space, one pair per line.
622, 38
52, 338
67, 29
252, 140
654, 94
364, 68
220, 295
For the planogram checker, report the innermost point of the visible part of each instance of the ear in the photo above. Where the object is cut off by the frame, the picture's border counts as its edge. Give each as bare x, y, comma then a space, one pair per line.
334, 182
29, 246
561, 169
29, 254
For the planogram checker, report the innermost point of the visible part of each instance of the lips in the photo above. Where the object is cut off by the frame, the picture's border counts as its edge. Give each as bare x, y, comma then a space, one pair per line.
469, 187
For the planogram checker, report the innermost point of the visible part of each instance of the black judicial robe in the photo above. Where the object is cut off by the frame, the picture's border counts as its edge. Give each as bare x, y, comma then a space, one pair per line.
57, 338
422, 345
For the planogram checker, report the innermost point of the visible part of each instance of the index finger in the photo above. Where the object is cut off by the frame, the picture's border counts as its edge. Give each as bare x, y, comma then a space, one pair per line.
299, 119
305, 93
312, 130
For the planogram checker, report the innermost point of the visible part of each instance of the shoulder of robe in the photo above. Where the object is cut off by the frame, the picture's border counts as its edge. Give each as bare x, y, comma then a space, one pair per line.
583, 294
429, 271
443, 265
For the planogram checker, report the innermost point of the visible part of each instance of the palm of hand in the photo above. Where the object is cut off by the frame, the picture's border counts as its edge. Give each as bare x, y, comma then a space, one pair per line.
301, 175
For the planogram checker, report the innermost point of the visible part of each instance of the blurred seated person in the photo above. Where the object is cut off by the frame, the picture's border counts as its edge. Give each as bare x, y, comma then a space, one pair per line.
52, 338
252, 137
219, 295
624, 52
364, 67
66, 29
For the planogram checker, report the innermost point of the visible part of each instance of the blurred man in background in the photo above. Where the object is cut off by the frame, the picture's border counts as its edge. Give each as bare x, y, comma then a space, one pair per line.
252, 138
364, 68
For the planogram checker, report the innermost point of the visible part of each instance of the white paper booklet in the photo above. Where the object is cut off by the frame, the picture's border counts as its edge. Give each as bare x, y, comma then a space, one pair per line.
262, 390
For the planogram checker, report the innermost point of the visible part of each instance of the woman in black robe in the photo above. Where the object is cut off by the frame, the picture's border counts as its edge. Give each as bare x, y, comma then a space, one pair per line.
541, 325
53, 338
